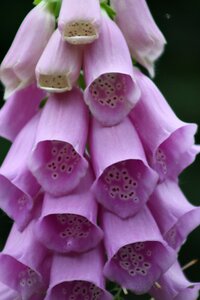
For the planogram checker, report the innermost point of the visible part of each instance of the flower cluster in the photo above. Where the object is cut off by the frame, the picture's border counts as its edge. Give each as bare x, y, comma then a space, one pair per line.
91, 178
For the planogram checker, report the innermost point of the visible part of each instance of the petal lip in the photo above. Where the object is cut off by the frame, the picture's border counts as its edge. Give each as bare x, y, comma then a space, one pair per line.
37, 165
72, 246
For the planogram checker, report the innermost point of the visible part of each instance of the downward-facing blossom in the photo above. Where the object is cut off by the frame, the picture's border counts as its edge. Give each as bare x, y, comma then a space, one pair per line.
111, 90
173, 285
18, 187
175, 216
124, 179
144, 38
168, 142
24, 263
79, 21
18, 67
78, 277
57, 159
68, 224
62, 74
12, 117
137, 254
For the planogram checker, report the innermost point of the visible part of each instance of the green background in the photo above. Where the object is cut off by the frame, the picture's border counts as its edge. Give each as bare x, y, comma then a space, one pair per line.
177, 75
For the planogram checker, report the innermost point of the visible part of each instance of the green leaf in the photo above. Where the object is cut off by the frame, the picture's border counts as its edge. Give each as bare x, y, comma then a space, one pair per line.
111, 13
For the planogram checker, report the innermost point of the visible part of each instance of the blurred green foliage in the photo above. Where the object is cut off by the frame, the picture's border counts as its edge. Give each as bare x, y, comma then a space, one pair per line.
177, 75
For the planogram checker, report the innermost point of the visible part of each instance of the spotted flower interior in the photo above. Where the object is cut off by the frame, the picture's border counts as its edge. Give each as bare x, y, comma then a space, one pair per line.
77, 290
68, 233
59, 166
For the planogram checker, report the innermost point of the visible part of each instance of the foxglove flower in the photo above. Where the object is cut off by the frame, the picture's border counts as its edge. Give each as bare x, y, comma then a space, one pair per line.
78, 277
175, 286
63, 73
168, 142
21, 269
124, 179
18, 67
79, 21
111, 87
145, 40
18, 110
137, 254
68, 224
175, 216
18, 186
57, 159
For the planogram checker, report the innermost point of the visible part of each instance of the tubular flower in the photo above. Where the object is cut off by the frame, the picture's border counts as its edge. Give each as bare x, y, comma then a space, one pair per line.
179, 217
12, 118
18, 187
68, 224
124, 179
111, 90
57, 159
137, 254
168, 142
175, 286
91, 178
78, 277
145, 40
20, 270
79, 21
64, 72
18, 67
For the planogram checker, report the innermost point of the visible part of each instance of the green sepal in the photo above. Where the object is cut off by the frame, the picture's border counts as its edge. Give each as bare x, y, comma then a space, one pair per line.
43, 102
110, 12
81, 81
53, 5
